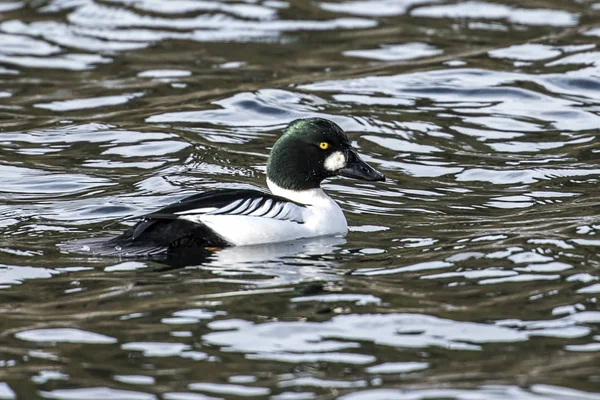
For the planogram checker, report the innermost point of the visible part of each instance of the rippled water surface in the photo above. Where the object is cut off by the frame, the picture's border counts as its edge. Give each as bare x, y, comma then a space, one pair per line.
471, 273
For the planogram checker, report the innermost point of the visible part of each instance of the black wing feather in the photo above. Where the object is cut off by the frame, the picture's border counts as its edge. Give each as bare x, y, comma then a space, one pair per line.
215, 198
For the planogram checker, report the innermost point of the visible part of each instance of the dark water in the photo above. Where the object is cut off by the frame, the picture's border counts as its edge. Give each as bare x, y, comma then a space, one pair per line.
472, 273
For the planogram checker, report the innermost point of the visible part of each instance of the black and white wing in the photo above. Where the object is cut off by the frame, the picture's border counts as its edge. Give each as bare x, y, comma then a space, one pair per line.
191, 221
240, 202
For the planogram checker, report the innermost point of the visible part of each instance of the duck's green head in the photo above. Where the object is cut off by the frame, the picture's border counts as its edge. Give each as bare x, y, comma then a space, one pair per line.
314, 149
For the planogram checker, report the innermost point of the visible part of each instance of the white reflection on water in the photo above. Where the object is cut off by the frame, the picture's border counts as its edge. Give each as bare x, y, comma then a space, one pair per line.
476, 9
358, 299
266, 108
188, 396
397, 367
67, 36
14, 44
254, 11
230, 389
97, 15
373, 8
74, 62
93, 102
486, 392
290, 341
279, 263
135, 379
157, 349
527, 52
64, 335
6, 392
96, 393
407, 51
48, 375
164, 73
12, 274
32, 181
11, 6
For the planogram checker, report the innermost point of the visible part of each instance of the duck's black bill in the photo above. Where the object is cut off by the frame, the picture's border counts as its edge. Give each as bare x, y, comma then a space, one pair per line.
358, 169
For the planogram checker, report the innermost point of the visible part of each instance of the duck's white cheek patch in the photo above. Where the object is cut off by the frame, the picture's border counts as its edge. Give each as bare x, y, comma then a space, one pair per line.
335, 161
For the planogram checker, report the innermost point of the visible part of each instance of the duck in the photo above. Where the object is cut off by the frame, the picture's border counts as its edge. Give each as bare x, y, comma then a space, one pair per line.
309, 151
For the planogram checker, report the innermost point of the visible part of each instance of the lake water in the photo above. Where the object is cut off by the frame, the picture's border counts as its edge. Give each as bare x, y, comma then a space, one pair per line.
471, 273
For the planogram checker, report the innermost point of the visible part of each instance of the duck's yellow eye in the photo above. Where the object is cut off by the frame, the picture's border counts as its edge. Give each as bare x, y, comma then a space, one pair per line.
324, 145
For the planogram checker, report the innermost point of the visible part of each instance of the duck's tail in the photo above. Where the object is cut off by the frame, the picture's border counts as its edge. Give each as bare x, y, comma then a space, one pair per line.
149, 237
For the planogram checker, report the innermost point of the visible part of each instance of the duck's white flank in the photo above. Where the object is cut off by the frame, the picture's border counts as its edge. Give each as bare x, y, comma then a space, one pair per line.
335, 161
322, 217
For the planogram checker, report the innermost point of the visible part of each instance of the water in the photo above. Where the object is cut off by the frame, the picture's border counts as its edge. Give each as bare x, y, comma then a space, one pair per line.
471, 273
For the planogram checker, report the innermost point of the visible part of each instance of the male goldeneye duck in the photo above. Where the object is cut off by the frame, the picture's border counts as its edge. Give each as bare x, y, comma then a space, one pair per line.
309, 151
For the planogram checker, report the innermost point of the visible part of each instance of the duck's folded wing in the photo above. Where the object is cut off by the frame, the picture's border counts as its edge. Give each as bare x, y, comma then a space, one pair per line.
196, 221
239, 202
